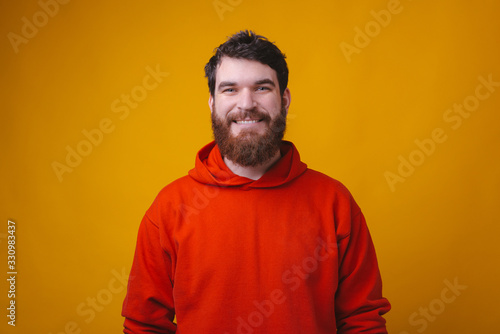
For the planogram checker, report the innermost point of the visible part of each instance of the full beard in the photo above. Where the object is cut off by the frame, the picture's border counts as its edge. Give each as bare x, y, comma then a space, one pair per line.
249, 148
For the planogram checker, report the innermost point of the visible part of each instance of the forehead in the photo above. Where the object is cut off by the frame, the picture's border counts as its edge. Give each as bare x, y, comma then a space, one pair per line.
240, 70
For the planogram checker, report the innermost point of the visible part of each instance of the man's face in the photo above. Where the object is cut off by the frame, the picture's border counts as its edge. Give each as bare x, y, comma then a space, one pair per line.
248, 113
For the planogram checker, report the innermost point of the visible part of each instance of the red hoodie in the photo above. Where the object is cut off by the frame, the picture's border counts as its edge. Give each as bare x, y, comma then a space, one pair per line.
288, 253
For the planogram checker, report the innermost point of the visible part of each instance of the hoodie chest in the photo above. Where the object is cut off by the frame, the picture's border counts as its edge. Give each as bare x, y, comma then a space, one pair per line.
245, 238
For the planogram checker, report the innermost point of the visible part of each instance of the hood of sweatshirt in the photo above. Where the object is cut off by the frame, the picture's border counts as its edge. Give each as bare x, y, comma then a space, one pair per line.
211, 169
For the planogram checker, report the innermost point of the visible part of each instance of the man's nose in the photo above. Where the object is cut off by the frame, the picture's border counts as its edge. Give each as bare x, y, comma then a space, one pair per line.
246, 100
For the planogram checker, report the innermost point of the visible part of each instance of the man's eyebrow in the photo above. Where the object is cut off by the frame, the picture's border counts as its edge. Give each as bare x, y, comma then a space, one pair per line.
223, 84
265, 81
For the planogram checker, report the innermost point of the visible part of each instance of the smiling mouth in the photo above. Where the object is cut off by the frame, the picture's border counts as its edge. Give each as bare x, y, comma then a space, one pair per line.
247, 121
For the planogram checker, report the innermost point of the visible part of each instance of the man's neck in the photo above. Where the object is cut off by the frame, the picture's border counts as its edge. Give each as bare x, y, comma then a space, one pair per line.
253, 173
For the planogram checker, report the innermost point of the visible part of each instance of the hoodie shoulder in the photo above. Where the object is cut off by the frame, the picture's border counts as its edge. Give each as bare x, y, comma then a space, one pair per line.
170, 196
328, 186
174, 188
327, 181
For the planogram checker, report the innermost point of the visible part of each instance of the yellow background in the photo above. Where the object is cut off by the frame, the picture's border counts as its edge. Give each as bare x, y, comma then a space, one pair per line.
349, 119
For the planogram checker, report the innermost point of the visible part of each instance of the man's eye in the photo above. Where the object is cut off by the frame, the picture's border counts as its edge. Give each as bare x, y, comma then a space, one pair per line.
228, 90
262, 88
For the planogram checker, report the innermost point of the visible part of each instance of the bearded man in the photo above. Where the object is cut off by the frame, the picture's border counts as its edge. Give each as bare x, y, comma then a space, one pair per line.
251, 240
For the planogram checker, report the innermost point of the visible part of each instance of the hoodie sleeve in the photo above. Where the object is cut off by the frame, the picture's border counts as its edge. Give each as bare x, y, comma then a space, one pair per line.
149, 305
359, 302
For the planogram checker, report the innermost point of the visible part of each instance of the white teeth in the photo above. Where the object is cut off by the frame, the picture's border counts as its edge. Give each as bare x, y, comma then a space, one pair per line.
246, 122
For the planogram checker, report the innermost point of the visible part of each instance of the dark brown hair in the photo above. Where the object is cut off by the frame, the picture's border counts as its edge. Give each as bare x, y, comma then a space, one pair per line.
247, 45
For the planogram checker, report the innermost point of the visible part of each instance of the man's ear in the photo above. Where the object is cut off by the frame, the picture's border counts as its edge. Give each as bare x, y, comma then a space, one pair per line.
286, 99
210, 102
